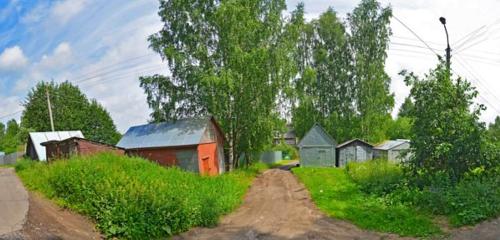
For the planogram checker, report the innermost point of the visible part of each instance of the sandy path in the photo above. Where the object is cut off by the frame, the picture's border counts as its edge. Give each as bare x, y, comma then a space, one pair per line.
278, 206
47, 221
13, 202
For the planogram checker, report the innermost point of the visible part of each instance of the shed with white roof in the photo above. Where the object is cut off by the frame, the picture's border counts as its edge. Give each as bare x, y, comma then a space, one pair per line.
34, 148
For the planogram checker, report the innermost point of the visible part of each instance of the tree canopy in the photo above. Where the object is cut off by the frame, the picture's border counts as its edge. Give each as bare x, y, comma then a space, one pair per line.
230, 59
9, 136
71, 109
342, 83
447, 135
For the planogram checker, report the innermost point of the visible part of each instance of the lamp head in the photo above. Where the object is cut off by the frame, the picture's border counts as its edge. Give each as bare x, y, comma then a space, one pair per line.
442, 20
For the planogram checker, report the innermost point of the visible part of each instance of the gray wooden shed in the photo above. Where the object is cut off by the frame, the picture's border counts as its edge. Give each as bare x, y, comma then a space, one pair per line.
317, 148
355, 150
395, 151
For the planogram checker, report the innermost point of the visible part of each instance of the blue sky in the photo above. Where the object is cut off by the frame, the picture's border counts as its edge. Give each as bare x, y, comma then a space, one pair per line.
101, 46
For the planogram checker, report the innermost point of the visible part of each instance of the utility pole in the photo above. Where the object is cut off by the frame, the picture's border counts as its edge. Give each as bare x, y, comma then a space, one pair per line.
50, 109
448, 49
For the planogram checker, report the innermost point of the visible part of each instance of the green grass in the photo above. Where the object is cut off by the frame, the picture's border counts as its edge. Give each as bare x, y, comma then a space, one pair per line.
336, 194
132, 198
281, 163
377, 176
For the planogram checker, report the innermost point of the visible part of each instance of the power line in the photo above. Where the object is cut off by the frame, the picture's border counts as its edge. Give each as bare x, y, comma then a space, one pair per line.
410, 45
112, 66
137, 68
474, 74
416, 35
463, 46
483, 98
416, 40
11, 114
483, 59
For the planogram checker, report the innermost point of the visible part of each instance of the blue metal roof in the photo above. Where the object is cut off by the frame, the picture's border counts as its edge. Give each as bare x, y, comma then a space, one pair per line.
182, 132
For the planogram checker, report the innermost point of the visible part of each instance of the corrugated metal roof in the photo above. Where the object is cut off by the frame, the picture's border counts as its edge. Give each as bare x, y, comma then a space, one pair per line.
40, 137
390, 144
183, 132
317, 136
351, 141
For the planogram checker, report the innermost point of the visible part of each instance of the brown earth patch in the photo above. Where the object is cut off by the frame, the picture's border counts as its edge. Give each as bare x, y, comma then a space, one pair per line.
47, 221
278, 206
487, 230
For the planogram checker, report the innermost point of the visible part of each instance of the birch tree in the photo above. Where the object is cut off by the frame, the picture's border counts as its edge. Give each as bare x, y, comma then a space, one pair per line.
230, 59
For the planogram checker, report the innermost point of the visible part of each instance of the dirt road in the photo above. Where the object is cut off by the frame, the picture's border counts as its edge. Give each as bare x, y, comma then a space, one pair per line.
47, 221
277, 206
13, 202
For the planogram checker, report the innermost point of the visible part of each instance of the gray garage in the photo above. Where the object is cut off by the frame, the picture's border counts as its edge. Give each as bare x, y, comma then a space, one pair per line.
317, 148
355, 150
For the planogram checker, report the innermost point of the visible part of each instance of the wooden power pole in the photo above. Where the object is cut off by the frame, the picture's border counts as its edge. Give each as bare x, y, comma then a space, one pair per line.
50, 109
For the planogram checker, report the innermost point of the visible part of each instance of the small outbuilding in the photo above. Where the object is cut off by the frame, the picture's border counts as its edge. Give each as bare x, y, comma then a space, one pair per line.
355, 150
289, 137
193, 144
393, 150
317, 148
77, 146
34, 148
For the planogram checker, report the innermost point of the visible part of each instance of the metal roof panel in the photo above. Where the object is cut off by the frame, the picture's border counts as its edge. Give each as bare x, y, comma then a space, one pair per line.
390, 144
183, 132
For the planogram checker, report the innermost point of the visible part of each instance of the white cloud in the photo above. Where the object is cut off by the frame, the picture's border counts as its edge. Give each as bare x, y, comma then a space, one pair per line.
11, 107
60, 58
52, 66
12, 59
67, 9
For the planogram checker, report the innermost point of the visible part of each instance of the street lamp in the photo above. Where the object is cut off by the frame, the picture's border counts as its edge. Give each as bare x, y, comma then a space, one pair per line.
448, 49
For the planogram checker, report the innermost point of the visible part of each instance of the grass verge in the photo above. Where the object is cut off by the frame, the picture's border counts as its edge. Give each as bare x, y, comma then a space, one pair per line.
336, 194
132, 198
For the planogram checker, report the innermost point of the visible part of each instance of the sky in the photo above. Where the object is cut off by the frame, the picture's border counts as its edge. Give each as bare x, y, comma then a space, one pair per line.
102, 47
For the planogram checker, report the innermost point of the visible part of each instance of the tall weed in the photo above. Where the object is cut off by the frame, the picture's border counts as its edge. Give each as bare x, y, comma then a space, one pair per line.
132, 198
376, 176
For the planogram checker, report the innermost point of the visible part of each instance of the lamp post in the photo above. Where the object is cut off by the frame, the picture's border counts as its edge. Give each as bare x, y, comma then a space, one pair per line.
448, 49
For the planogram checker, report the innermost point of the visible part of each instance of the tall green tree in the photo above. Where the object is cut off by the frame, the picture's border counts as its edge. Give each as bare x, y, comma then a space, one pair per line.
231, 59
325, 90
447, 135
71, 109
101, 126
10, 141
400, 128
369, 40
406, 108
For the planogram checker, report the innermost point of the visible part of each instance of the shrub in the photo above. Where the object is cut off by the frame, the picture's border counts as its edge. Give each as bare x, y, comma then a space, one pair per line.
133, 198
375, 176
475, 198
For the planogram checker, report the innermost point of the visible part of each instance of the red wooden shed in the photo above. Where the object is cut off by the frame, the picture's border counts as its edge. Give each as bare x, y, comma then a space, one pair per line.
193, 144
77, 146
